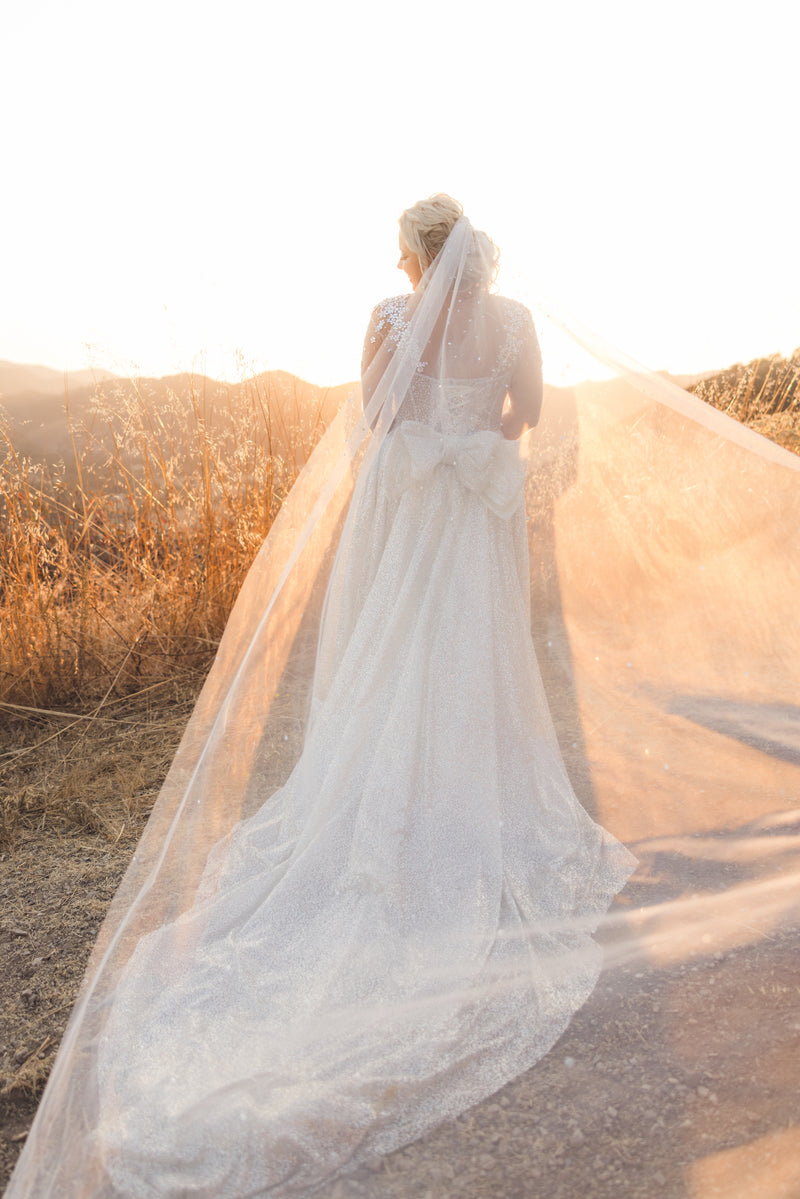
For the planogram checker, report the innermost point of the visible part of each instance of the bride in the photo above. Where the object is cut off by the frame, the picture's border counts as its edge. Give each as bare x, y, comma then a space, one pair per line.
314, 962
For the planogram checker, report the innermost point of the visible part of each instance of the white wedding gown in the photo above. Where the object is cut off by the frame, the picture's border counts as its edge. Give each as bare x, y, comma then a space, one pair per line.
405, 925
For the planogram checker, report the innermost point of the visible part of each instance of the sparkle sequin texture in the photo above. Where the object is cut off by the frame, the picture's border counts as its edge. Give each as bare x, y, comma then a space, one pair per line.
404, 925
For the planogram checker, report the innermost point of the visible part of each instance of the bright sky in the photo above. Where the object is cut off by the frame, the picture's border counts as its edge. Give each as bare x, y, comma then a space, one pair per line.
191, 184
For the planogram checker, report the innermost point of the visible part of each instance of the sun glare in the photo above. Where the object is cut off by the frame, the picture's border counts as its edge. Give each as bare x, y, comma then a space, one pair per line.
250, 218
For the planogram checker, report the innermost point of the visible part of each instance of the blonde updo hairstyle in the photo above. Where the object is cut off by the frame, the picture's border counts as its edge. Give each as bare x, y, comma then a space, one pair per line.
427, 225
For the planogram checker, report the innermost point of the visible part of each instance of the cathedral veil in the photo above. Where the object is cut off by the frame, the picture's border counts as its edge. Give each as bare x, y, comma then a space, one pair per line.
664, 547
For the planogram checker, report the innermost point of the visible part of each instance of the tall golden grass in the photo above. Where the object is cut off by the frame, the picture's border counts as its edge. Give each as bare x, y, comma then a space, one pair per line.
119, 566
120, 561
764, 394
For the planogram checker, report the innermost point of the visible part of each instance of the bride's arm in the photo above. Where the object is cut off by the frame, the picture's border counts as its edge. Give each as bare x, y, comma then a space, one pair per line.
525, 388
373, 340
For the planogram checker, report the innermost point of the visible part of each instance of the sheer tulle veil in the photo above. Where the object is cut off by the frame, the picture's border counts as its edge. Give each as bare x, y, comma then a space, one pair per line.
664, 570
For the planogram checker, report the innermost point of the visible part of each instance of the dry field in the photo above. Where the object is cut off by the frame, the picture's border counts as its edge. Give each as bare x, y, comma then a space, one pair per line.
118, 572
764, 394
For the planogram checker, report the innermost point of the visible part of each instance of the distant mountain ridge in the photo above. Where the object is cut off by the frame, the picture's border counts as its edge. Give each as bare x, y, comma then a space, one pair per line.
764, 393
32, 402
18, 377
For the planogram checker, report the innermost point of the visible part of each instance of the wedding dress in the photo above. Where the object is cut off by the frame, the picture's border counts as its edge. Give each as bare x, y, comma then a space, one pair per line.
378, 947
366, 897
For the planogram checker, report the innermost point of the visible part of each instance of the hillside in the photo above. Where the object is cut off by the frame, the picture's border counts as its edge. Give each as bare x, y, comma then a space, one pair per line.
44, 417
110, 616
17, 378
764, 394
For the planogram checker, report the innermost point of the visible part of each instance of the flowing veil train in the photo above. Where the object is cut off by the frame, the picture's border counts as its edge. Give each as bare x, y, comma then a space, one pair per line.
366, 897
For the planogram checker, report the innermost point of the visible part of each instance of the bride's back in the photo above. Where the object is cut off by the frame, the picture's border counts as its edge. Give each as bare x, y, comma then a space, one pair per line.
468, 363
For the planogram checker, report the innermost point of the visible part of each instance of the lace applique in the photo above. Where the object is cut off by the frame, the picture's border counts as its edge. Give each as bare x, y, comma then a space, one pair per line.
519, 326
390, 319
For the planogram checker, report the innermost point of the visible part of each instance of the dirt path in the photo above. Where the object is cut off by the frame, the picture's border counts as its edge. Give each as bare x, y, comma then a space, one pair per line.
675, 1082
54, 892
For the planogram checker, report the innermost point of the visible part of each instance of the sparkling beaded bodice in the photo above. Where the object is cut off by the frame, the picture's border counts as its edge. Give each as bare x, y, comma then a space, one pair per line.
455, 405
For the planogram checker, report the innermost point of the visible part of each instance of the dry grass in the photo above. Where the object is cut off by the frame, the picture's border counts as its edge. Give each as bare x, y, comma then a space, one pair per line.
63, 772
118, 569
764, 394
120, 565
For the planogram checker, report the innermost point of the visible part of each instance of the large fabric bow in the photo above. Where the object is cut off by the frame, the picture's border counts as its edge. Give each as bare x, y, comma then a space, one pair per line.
484, 462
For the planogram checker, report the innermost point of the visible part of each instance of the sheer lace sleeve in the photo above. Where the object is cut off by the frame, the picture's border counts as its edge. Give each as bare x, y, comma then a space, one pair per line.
387, 321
